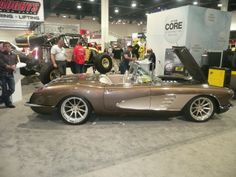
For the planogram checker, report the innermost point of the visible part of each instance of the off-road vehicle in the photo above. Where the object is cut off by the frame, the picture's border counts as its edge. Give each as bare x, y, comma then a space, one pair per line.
94, 58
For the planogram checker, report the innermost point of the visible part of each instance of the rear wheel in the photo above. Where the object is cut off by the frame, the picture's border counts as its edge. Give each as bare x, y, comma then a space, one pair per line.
200, 109
74, 110
24, 71
48, 73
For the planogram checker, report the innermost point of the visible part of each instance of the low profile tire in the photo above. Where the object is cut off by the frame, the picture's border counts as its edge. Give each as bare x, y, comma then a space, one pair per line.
200, 109
41, 110
103, 63
48, 73
74, 110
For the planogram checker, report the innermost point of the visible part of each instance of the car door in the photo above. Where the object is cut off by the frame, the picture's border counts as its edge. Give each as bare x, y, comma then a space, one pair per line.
129, 97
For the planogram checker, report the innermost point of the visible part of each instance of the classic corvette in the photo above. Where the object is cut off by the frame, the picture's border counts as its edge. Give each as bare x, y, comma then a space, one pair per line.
76, 96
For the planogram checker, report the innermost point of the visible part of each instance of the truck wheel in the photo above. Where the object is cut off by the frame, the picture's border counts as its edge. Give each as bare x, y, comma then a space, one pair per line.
26, 40
103, 63
26, 72
48, 73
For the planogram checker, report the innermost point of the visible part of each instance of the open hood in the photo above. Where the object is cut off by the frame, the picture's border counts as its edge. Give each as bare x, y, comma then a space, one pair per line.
190, 64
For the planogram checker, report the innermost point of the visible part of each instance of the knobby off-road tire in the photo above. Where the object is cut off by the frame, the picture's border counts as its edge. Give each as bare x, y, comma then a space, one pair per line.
103, 63
48, 73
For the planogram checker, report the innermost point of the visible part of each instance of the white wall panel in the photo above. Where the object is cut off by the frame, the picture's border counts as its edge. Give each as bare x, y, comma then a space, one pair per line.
233, 21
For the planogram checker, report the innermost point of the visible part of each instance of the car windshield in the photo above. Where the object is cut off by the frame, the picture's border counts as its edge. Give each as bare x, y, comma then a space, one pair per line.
135, 75
138, 75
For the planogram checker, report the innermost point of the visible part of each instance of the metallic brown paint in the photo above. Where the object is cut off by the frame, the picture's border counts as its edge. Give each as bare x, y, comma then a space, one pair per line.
115, 98
118, 96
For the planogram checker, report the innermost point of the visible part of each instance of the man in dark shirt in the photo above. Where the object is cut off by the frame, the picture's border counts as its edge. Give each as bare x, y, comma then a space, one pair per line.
117, 54
8, 63
135, 50
127, 57
152, 59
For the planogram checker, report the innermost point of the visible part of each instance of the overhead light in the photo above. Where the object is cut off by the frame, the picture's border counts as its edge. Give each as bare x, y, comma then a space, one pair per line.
94, 18
133, 4
64, 16
219, 5
116, 10
195, 3
79, 6
91, 0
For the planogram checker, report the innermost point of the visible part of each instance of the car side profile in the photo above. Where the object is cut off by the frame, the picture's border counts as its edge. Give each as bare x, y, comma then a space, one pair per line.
76, 96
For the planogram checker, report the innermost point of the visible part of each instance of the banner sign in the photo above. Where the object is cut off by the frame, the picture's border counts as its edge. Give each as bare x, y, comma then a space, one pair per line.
30, 10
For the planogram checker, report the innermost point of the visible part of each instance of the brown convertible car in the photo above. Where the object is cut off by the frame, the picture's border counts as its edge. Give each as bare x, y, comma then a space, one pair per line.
75, 96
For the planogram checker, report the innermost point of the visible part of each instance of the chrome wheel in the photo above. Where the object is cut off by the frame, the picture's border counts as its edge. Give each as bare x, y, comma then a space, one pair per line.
201, 109
74, 110
55, 73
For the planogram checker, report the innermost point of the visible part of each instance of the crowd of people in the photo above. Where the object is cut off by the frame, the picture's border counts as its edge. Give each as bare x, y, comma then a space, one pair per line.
120, 58
121, 61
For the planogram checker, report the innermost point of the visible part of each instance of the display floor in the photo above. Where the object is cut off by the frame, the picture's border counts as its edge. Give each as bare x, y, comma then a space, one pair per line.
33, 145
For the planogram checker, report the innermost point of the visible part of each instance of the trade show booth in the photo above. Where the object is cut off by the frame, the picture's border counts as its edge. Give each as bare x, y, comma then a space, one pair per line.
199, 29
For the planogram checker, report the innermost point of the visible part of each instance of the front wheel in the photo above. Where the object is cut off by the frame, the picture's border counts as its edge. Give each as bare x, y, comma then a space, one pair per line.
200, 109
74, 110
103, 63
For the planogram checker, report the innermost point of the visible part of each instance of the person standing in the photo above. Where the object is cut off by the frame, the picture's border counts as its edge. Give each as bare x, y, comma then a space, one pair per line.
135, 50
79, 57
8, 62
58, 56
127, 57
152, 59
117, 54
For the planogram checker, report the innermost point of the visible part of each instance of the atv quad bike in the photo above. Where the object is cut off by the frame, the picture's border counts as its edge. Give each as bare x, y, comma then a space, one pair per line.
94, 58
